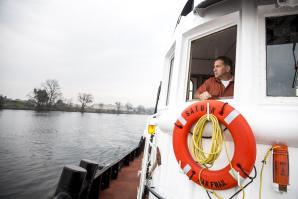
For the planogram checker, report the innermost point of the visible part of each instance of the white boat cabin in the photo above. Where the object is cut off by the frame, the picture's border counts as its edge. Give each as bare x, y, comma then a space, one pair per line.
260, 37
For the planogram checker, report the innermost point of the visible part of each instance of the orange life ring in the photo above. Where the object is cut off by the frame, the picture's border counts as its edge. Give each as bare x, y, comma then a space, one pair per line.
244, 145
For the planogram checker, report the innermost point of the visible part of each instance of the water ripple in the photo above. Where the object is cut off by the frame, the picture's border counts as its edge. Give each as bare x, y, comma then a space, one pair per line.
34, 147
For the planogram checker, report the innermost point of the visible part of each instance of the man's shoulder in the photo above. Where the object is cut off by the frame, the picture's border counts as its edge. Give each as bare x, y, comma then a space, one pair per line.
211, 79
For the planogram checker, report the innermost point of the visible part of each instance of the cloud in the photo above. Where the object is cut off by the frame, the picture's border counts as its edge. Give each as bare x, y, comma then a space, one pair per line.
112, 49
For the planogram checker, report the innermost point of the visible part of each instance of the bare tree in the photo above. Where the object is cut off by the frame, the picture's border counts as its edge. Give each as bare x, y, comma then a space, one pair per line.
118, 105
128, 106
140, 109
84, 99
53, 90
100, 105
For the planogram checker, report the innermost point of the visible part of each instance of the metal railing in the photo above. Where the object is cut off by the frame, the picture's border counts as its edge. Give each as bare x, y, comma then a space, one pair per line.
110, 172
88, 180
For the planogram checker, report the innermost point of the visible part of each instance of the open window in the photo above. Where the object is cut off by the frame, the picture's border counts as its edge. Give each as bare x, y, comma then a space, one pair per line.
282, 54
204, 51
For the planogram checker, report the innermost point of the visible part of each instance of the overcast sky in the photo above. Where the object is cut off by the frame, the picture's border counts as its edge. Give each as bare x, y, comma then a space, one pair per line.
113, 49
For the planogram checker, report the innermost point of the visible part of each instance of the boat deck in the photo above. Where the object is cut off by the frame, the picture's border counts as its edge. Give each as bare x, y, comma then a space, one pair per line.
125, 186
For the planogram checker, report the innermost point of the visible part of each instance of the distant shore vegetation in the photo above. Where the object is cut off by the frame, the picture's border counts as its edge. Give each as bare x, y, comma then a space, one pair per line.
48, 97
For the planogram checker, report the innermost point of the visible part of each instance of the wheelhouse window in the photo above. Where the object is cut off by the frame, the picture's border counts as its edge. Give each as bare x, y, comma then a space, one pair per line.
204, 52
282, 54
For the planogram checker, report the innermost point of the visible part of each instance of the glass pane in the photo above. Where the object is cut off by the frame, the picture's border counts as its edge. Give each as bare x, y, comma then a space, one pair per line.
281, 41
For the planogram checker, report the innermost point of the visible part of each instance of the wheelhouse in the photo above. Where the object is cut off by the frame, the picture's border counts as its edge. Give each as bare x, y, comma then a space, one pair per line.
260, 38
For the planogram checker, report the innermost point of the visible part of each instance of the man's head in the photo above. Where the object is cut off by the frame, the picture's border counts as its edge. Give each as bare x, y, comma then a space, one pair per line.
222, 68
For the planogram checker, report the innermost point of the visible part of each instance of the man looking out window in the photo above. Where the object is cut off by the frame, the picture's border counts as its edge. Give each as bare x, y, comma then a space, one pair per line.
222, 84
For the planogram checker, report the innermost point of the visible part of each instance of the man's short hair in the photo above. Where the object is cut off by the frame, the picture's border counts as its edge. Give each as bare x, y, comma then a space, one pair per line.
226, 60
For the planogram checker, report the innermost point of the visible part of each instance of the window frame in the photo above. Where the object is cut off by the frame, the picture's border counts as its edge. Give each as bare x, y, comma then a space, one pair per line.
167, 81
170, 77
263, 13
200, 31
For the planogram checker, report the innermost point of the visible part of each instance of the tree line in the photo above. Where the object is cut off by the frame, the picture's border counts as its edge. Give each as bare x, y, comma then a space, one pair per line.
48, 97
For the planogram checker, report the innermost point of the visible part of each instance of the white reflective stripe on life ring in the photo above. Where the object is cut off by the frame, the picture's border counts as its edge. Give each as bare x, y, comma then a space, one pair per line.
182, 120
186, 169
231, 116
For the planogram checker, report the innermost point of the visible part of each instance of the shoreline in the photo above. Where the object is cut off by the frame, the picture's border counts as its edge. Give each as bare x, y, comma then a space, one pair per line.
78, 111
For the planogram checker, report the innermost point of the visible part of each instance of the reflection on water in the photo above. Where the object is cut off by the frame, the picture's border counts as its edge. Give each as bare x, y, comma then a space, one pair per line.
34, 146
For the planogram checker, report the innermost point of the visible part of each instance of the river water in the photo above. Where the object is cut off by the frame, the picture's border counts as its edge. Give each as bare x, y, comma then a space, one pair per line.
34, 146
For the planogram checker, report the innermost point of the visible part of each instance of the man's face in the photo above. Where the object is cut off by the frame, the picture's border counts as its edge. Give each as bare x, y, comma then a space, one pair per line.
220, 69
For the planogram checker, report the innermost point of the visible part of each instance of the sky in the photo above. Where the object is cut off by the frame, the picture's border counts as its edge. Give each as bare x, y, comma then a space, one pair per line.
113, 49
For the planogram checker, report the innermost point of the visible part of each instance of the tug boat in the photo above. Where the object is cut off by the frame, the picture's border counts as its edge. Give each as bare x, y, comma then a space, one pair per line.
258, 154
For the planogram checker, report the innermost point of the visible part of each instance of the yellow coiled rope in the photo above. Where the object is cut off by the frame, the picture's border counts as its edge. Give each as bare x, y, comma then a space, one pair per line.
204, 158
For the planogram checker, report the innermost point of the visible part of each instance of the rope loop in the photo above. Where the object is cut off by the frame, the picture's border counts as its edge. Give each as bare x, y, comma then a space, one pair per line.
207, 158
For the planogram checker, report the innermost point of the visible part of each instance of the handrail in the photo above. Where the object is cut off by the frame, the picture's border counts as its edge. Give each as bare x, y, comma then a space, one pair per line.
157, 98
137, 149
88, 183
109, 165
106, 174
